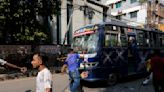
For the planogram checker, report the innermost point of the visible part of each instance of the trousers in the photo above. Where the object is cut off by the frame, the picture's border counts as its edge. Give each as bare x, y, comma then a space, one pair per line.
75, 80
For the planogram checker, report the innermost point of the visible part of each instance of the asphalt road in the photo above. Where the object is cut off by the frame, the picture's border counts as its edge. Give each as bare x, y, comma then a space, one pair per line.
61, 81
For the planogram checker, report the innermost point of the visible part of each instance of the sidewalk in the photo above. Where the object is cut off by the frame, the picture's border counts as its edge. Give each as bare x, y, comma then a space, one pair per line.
17, 75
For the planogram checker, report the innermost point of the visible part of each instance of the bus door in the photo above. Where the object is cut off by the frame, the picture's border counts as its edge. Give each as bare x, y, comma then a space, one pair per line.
132, 52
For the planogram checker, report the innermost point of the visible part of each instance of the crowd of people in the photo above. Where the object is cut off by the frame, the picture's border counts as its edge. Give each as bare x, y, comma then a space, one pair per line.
44, 77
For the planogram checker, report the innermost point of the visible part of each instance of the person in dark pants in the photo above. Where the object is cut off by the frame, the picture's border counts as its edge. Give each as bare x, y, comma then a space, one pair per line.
71, 63
157, 65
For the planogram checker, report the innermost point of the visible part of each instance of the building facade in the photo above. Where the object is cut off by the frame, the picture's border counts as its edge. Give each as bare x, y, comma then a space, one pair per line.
138, 12
155, 14
76, 14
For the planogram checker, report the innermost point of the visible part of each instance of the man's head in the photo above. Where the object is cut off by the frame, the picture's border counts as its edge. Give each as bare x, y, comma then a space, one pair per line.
156, 52
71, 51
38, 60
85, 51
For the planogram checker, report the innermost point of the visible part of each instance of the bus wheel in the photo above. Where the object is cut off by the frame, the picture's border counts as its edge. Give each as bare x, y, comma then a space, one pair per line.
112, 79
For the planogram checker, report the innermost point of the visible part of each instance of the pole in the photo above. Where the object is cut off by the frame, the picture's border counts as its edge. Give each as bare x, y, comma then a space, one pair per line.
58, 21
85, 12
105, 10
68, 26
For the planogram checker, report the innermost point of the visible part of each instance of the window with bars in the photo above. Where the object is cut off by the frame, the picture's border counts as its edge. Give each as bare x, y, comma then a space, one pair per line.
133, 14
118, 4
133, 1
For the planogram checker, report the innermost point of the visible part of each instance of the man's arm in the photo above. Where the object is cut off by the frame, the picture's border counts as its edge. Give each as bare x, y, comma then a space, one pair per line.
81, 55
61, 58
13, 66
63, 69
48, 81
22, 69
48, 90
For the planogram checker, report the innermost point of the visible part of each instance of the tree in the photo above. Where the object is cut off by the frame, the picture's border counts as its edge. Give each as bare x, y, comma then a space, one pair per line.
20, 21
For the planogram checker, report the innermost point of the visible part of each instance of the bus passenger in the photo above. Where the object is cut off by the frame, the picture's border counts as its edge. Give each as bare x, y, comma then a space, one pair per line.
133, 56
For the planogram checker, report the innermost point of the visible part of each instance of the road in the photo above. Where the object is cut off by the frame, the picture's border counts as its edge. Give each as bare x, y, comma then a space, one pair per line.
60, 81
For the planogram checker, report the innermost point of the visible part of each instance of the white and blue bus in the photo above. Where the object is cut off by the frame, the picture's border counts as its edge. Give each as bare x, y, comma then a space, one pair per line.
115, 50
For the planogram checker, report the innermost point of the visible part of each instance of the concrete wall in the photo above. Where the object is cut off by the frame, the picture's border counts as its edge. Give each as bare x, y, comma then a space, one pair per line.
78, 19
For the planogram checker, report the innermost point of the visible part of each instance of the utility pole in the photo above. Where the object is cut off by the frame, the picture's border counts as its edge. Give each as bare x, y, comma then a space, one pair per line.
68, 27
58, 21
85, 12
69, 21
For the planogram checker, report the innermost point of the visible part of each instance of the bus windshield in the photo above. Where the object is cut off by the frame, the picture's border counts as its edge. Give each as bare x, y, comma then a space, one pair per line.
88, 41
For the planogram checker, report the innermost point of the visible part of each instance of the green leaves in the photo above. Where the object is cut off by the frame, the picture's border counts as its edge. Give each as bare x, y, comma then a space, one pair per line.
19, 20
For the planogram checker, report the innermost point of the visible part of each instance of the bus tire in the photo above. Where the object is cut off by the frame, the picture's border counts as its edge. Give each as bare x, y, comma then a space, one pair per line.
112, 79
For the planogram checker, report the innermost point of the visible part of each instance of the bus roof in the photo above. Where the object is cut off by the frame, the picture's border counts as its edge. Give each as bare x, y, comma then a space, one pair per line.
122, 24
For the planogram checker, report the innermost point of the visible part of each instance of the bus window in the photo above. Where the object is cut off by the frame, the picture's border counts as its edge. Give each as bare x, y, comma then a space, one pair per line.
111, 40
114, 28
161, 40
124, 41
111, 28
123, 31
153, 39
146, 40
140, 38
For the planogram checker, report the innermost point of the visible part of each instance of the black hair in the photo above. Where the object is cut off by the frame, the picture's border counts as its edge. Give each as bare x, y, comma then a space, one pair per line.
156, 52
42, 56
70, 50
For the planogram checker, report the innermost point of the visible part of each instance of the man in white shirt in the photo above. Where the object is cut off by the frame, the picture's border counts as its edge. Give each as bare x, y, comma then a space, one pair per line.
44, 77
22, 69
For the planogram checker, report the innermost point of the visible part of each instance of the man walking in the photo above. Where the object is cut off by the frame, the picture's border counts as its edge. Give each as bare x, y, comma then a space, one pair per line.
157, 65
44, 77
71, 63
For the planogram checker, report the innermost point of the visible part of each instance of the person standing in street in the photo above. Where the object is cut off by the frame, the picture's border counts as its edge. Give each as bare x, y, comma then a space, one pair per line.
44, 76
71, 63
22, 69
157, 66
150, 75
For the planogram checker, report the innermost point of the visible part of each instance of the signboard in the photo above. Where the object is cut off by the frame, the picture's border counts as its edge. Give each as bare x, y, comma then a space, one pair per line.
84, 31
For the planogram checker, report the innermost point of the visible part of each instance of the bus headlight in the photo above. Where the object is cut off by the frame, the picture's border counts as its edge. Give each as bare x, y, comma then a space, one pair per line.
88, 65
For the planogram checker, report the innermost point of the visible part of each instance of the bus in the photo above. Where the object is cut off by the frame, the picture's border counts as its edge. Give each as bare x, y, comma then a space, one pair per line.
115, 50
